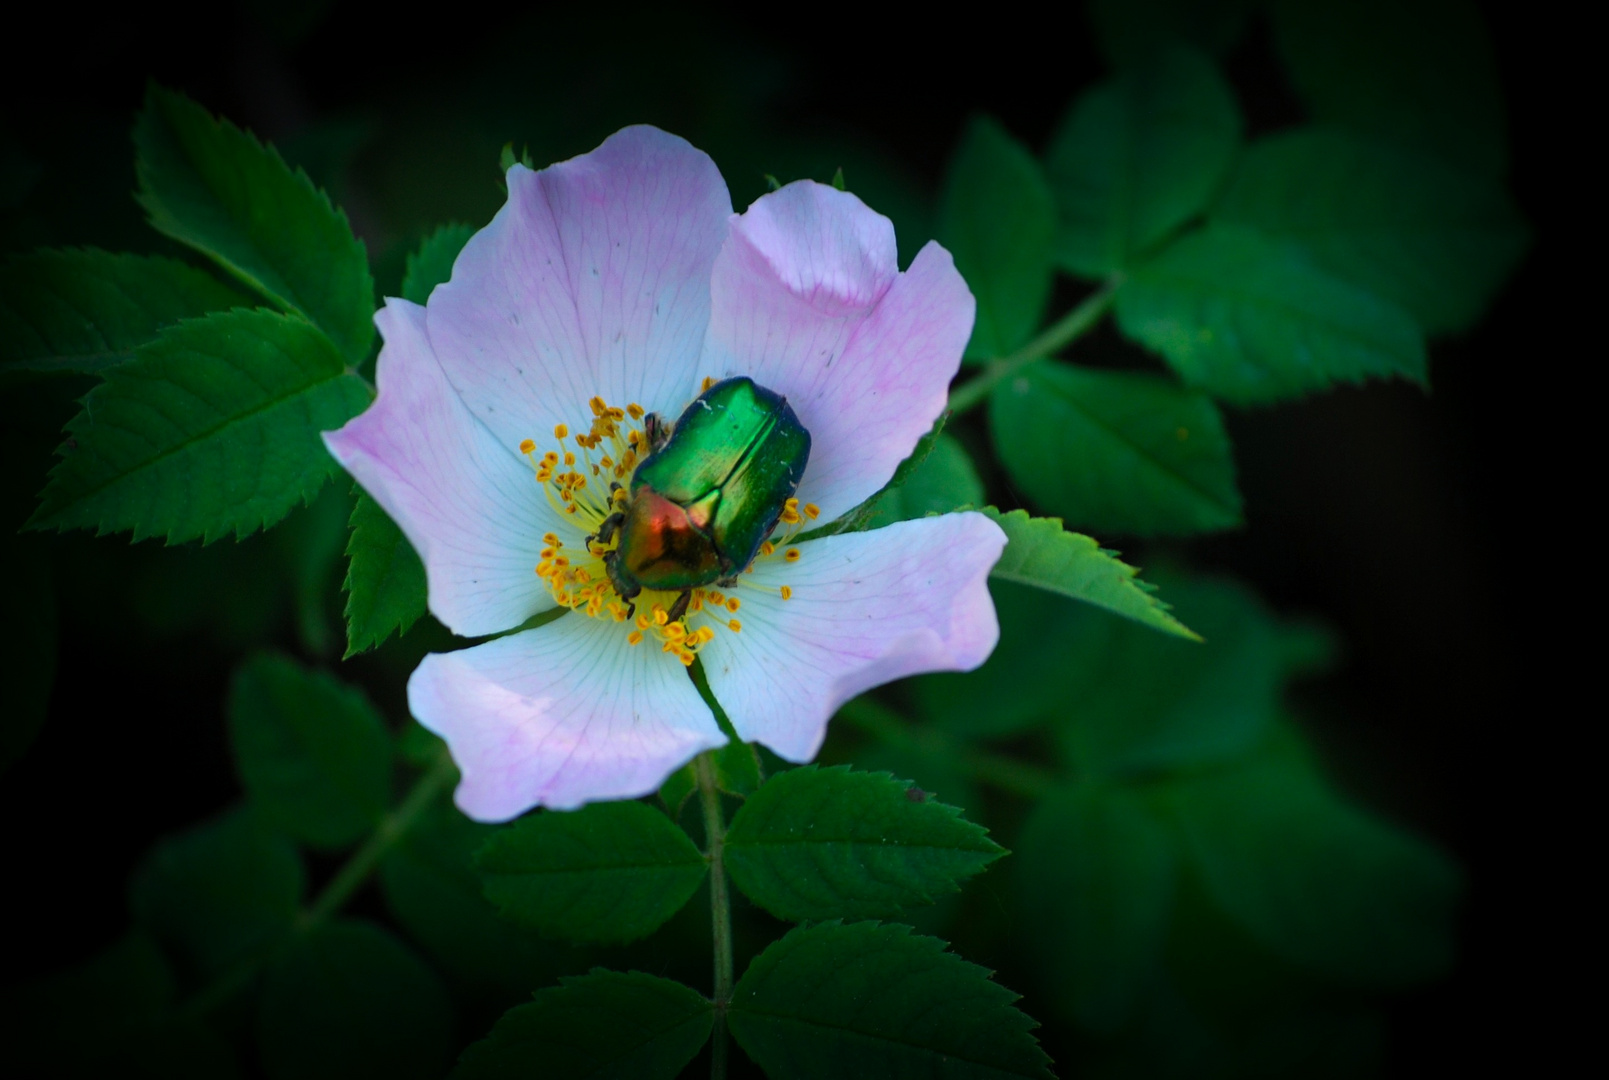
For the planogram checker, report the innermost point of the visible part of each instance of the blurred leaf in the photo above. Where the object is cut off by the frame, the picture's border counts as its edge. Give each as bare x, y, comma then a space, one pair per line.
1318, 880
1095, 873
1116, 451
1039, 552
212, 428
385, 580
737, 768
80, 310
609, 872
312, 753
1137, 703
1131, 32
347, 1000
215, 188
432, 264
1418, 74
868, 1000
830, 843
1139, 156
1248, 319
27, 644
998, 220
677, 787
310, 543
220, 891
602, 1026
431, 886
418, 745
942, 481
1405, 226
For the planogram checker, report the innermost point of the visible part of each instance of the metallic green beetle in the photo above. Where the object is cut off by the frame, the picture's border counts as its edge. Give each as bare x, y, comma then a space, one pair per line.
708, 494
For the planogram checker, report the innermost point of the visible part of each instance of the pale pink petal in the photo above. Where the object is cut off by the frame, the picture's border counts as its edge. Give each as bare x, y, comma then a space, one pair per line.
807, 300
562, 715
867, 608
593, 279
468, 504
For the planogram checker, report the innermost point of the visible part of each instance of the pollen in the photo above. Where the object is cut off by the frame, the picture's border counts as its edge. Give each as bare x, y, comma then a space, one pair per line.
560, 431
527, 446
735, 626
787, 593
732, 604
791, 555
812, 511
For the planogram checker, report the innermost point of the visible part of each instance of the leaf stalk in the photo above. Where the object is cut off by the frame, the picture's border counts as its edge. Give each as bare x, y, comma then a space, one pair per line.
720, 906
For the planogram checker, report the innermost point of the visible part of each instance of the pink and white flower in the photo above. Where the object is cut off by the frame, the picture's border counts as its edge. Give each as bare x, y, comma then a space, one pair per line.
623, 278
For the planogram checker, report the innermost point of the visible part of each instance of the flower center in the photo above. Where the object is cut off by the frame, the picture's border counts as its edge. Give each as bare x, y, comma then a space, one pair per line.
590, 488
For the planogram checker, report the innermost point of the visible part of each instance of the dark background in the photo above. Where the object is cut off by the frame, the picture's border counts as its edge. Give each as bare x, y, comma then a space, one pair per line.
1412, 523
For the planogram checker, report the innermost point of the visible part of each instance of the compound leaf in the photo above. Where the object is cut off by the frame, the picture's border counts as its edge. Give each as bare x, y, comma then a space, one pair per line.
385, 579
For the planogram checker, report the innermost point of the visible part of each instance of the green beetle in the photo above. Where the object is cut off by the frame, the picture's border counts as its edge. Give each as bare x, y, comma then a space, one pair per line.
708, 494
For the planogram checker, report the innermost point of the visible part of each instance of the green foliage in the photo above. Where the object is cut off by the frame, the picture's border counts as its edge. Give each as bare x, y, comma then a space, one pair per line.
998, 219
212, 428
1132, 32
1116, 451
347, 1000
819, 844
1419, 74
1315, 879
431, 886
737, 768
385, 579
432, 263
1400, 223
219, 892
311, 752
839, 1002
1039, 552
944, 480
215, 188
608, 872
602, 1026
867, 515
1096, 874
81, 310
27, 645
1138, 157
1250, 320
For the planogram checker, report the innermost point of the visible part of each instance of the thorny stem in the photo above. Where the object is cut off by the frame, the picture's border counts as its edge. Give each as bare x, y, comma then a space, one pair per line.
1069, 328
356, 870
1002, 772
720, 907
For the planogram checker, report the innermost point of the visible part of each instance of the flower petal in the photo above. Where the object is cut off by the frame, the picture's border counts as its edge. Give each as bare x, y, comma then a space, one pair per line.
867, 608
558, 716
808, 301
593, 279
468, 504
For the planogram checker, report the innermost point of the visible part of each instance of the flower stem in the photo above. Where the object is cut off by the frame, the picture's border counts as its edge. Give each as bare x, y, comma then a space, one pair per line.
1069, 328
997, 770
353, 873
720, 907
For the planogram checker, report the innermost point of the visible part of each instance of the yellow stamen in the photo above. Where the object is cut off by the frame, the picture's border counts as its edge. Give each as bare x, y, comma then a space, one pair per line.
791, 555
787, 593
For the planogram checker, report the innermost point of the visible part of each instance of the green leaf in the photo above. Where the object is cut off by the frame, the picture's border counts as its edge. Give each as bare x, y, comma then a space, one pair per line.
215, 188
1421, 75
1039, 552
1249, 319
835, 1002
212, 428
676, 789
1435, 239
831, 843
1116, 451
609, 872
1317, 880
348, 1001
385, 580
219, 892
999, 221
1138, 157
312, 753
81, 310
432, 264
1132, 32
431, 886
602, 1026
1095, 874
866, 515
310, 542
28, 627
943, 481
737, 768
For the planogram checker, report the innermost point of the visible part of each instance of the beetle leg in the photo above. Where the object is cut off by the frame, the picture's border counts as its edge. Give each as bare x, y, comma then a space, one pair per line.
657, 430
607, 528
679, 608
627, 587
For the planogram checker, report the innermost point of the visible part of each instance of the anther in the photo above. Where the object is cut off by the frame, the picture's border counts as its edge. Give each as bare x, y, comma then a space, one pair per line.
734, 626
791, 555
787, 593
527, 446
732, 604
812, 511
560, 431
634, 638
635, 411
